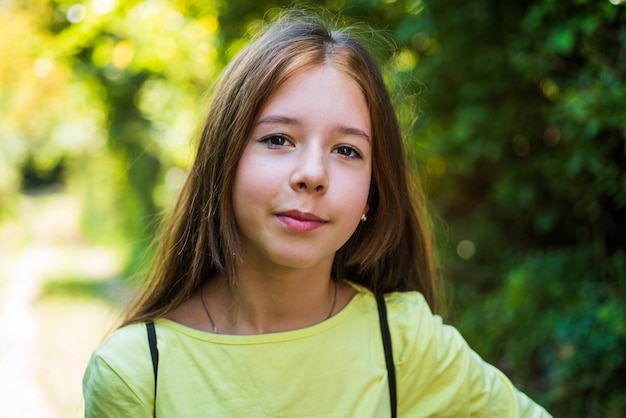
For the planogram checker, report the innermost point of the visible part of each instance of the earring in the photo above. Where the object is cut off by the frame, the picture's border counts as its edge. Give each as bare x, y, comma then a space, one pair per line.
363, 217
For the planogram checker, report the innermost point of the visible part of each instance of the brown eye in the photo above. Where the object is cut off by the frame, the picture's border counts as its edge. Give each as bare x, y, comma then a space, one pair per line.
276, 140
348, 151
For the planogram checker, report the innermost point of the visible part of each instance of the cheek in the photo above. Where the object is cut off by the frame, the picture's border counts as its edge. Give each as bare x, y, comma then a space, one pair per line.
253, 185
247, 176
242, 187
362, 195
355, 189
365, 183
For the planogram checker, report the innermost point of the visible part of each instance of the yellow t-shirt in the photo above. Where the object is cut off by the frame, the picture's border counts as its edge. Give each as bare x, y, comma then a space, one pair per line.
333, 369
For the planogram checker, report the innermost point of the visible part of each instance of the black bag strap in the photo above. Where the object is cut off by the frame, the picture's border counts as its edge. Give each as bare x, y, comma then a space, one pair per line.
154, 353
391, 369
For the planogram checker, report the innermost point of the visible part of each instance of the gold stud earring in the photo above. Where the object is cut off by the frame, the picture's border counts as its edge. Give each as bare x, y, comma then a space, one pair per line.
363, 217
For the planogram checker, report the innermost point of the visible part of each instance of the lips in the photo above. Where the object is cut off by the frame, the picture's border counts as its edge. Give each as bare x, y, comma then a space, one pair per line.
300, 221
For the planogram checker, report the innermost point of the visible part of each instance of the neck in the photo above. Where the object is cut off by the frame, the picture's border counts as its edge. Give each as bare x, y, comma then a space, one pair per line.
265, 303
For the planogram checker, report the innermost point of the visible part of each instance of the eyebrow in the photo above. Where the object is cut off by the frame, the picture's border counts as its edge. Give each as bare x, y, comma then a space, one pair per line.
278, 119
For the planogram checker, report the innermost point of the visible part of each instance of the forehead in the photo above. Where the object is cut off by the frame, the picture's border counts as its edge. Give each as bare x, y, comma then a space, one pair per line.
321, 93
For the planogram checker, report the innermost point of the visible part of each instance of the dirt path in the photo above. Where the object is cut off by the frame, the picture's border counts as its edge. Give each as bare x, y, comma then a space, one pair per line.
46, 340
20, 390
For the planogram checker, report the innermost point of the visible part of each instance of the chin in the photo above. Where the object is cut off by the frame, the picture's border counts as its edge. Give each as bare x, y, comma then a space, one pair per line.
300, 261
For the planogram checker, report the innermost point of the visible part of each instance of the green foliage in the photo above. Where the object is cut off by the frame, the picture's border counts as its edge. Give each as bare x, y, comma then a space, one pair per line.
558, 311
533, 146
77, 288
131, 76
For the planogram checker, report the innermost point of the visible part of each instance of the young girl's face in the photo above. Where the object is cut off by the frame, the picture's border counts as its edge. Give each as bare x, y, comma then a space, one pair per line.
303, 179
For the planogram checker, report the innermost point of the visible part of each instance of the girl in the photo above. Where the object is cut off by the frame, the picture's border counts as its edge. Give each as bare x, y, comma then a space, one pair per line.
266, 295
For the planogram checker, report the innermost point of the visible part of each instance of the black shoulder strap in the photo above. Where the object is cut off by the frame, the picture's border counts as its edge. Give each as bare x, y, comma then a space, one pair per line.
391, 370
154, 353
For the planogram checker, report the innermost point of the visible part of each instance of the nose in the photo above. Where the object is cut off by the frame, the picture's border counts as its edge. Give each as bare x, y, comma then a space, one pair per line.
310, 173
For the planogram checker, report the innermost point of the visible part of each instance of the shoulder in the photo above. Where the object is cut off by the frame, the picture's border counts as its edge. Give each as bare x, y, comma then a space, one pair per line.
119, 373
421, 338
127, 346
409, 313
418, 335
404, 309
408, 316
411, 322
403, 304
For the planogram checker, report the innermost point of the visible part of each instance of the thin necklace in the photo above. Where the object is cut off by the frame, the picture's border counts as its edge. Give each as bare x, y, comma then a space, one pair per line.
206, 309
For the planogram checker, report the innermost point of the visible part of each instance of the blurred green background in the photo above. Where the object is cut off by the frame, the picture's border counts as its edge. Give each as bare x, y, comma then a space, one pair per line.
515, 118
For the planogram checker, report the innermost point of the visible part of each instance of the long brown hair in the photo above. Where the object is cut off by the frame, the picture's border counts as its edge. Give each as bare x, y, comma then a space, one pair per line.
392, 251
